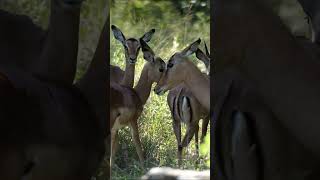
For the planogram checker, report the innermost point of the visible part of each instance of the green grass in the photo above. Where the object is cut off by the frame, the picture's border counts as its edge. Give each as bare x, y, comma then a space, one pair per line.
173, 32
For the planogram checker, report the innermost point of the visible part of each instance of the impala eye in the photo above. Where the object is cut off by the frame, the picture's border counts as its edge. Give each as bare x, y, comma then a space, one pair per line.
161, 70
170, 65
147, 56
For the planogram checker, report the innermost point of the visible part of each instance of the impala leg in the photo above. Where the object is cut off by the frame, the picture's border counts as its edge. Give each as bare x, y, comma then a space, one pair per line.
114, 145
11, 163
196, 137
58, 59
177, 131
244, 150
204, 128
179, 155
136, 140
105, 164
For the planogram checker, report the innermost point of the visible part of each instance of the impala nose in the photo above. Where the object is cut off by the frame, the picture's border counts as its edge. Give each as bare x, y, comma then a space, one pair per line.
159, 91
156, 91
132, 60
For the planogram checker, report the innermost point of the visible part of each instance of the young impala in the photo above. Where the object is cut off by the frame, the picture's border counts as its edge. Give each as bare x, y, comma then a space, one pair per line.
132, 48
126, 110
181, 70
186, 109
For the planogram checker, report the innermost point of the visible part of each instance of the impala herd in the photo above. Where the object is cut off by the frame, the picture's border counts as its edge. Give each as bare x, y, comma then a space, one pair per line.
56, 128
126, 109
265, 98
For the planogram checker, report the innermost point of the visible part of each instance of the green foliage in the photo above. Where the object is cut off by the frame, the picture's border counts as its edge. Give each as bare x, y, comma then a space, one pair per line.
174, 31
205, 150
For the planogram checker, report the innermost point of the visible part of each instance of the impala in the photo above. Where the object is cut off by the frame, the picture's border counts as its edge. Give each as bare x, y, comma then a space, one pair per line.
185, 108
181, 70
266, 98
49, 131
311, 8
130, 106
132, 48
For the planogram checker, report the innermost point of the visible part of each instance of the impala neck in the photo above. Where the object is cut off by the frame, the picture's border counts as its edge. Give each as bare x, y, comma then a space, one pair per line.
95, 82
198, 84
143, 88
58, 60
128, 79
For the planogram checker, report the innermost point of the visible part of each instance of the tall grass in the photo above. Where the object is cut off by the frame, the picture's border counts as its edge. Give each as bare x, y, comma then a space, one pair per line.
173, 32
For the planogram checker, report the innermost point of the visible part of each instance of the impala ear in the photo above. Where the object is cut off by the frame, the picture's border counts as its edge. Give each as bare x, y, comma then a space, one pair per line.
148, 54
191, 48
118, 34
163, 64
148, 35
207, 51
201, 56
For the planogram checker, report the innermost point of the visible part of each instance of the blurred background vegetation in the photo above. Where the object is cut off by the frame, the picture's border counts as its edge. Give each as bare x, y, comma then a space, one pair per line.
178, 23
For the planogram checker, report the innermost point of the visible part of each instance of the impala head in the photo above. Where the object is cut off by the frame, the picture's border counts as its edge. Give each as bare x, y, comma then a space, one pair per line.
176, 69
204, 57
156, 66
131, 46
